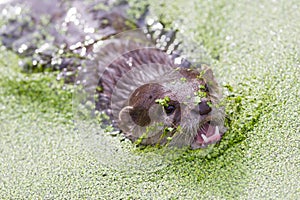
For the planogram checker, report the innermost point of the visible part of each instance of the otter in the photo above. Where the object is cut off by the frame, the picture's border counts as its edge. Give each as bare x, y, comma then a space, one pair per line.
142, 83
155, 101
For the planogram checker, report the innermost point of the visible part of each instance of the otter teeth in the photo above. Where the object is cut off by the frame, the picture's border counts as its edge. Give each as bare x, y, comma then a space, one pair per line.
217, 132
213, 137
204, 138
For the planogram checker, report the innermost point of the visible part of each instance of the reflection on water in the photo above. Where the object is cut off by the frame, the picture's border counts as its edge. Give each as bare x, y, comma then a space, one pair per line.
59, 35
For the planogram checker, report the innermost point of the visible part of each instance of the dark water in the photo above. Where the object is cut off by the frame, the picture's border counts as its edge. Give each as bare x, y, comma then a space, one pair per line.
59, 35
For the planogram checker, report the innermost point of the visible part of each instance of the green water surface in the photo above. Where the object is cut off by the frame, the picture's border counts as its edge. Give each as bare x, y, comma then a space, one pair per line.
252, 46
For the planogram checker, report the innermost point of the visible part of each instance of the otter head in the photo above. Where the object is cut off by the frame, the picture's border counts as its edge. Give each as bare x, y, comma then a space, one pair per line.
182, 111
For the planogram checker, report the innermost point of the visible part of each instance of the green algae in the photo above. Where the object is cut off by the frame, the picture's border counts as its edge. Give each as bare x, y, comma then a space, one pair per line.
254, 49
164, 101
38, 90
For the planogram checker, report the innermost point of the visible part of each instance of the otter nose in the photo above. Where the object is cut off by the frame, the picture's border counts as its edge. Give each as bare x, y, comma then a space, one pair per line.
204, 108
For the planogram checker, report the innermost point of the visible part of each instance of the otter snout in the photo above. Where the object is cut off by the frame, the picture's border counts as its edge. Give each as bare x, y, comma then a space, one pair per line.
204, 107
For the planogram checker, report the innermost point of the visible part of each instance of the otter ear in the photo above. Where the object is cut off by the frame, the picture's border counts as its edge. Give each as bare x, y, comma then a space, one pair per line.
209, 78
208, 73
126, 123
124, 114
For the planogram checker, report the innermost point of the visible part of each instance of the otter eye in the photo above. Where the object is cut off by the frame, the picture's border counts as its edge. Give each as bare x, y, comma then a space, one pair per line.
169, 109
206, 87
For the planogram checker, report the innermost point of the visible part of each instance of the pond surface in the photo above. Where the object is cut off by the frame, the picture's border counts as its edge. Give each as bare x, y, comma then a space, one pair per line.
253, 47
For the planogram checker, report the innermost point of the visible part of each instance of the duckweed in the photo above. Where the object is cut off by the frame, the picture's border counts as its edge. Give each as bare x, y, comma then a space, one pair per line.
253, 48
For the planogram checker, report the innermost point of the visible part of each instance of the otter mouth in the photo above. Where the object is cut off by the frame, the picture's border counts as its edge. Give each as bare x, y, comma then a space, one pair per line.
206, 134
